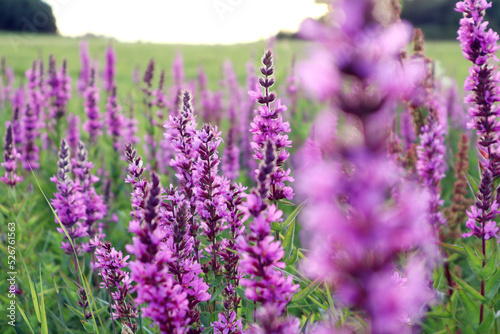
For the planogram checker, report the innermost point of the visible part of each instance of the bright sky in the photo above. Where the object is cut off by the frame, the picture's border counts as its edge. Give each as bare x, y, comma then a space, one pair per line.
182, 21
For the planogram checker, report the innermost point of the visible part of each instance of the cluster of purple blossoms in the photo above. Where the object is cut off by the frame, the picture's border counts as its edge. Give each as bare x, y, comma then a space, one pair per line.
10, 157
73, 132
114, 119
167, 302
181, 133
261, 261
59, 92
246, 118
431, 165
184, 267
227, 322
77, 205
67, 202
95, 208
93, 125
109, 70
210, 102
110, 262
481, 222
268, 125
31, 122
210, 191
479, 46
355, 237
85, 72
231, 157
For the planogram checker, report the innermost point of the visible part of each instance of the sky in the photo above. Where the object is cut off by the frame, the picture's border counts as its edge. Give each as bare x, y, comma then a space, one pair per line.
182, 21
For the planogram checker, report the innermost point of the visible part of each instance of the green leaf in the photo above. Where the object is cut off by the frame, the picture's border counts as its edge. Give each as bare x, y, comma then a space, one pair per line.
25, 318
471, 310
88, 326
288, 241
43, 315
34, 295
307, 290
276, 227
75, 311
454, 303
455, 248
487, 322
475, 262
470, 290
293, 215
293, 257
491, 263
492, 285
439, 314
472, 184
217, 292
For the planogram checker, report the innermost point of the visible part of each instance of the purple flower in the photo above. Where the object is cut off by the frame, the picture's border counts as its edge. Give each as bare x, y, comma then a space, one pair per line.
431, 165
109, 69
167, 301
68, 202
479, 46
30, 154
210, 191
85, 71
59, 93
110, 262
268, 125
93, 125
10, 155
114, 118
228, 325
181, 133
231, 156
73, 132
262, 257
95, 208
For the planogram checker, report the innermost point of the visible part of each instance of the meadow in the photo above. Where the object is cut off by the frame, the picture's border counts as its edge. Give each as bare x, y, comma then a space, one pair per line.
160, 222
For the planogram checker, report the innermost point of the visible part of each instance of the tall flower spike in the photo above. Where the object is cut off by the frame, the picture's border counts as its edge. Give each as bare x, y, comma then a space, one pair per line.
85, 71
30, 154
114, 118
268, 124
431, 165
231, 157
210, 191
67, 201
181, 133
93, 125
110, 262
479, 46
184, 268
95, 207
10, 155
109, 69
167, 303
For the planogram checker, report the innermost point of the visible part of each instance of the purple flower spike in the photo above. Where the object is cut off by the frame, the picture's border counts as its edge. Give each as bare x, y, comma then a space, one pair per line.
109, 69
110, 262
67, 202
10, 155
85, 71
181, 133
231, 157
167, 301
93, 125
30, 154
268, 125
114, 119
431, 165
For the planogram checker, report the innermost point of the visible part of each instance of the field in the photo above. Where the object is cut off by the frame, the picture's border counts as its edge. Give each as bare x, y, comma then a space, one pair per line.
58, 292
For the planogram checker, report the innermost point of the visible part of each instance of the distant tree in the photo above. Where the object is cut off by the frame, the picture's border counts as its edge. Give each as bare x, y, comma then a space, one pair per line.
27, 16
